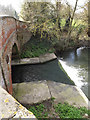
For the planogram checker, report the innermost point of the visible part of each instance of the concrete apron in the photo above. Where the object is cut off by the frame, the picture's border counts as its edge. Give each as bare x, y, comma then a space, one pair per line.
36, 92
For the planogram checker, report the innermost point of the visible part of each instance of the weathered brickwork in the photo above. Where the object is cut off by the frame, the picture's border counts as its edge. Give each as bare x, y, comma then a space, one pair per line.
12, 32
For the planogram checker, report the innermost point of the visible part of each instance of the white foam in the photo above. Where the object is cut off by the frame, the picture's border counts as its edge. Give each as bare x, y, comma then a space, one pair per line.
73, 73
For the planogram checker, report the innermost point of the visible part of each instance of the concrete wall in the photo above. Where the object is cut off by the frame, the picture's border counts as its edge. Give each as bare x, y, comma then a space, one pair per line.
11, 109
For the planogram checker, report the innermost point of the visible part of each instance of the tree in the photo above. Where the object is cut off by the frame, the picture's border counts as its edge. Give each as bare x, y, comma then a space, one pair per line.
83, 16
72, 17
40, 15
46, 19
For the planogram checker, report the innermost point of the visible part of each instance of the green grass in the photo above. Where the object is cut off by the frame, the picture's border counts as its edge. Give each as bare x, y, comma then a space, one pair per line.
39, 111
62, 110
36, 47
68, 111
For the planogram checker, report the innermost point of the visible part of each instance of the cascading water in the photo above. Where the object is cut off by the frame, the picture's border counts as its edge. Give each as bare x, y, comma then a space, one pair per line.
75, 63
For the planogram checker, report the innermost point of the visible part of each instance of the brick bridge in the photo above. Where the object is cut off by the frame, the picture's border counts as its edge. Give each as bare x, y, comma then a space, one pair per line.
13, 34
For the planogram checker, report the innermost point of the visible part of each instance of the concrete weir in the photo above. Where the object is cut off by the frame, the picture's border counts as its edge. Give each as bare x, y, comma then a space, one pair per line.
39, 91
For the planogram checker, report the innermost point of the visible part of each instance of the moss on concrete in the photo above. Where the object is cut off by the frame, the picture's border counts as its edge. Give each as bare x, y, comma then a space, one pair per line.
18, 91
31, 92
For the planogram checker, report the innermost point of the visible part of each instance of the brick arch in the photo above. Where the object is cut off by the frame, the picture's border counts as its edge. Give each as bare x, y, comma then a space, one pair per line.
6, 63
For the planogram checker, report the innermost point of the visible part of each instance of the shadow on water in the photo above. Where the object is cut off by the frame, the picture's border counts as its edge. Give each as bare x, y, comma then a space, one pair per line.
47, 71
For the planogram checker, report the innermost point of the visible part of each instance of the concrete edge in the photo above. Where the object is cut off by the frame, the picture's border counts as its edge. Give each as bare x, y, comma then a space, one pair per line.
84, 96
10, 108
37, 60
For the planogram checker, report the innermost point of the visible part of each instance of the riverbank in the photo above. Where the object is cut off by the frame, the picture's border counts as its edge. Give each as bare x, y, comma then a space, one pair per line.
72, 46
48, 109
60, 47
36, 47
47, 99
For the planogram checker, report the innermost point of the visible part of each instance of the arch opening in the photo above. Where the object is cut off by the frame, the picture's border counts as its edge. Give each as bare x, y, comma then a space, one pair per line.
15, 52
15, 56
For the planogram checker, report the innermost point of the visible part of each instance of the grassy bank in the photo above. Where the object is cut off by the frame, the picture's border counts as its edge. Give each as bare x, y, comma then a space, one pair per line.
36, 47
48, 109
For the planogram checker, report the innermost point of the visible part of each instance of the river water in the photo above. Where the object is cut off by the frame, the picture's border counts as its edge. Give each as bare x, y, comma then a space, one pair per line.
76, 64
39, 72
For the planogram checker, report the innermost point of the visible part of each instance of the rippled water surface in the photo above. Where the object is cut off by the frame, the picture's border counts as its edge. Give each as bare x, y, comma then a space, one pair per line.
47, 71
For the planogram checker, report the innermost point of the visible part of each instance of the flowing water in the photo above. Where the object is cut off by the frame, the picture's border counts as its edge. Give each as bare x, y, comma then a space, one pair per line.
76, 64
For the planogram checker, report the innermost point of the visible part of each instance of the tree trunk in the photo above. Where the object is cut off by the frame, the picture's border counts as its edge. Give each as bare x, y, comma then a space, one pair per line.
70, 29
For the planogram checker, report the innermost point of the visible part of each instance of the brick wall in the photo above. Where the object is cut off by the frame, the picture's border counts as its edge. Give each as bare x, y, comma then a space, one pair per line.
12, 32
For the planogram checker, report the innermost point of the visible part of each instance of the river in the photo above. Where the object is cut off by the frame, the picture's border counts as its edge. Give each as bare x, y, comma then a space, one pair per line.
76, 64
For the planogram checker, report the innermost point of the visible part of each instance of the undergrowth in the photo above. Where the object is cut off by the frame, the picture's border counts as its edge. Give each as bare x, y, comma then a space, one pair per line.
36, 47
64, 111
